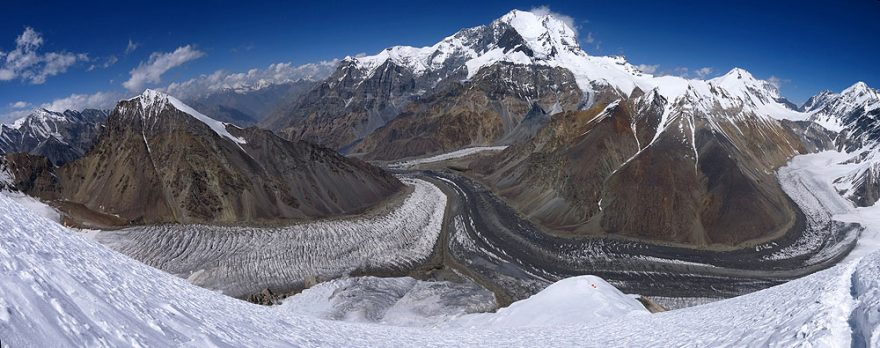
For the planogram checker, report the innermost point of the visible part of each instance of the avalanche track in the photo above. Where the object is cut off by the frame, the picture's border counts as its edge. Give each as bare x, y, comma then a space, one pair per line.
59, 289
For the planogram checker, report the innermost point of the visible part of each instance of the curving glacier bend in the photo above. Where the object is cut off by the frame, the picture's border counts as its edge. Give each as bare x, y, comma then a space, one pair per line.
58, 288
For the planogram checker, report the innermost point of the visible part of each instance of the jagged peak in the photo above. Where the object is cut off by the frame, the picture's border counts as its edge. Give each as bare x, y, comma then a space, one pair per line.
542, 31
153, 102
739, 73
41, 115
858, 87
150, 97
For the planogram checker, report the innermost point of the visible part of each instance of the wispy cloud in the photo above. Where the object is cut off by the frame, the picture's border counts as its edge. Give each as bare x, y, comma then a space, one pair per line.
195, 87
648, 69
108, 62
19, 105
254, 78
132, 46
98, 100
25, 62
699, 73
704, 72
777, 81
151, 71
568, 20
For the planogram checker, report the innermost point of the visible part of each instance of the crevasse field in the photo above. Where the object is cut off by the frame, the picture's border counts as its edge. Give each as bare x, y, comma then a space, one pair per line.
240, 261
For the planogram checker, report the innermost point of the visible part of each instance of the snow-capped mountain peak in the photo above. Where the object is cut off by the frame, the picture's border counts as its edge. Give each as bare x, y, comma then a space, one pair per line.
537, 37
858, 88
544, 34
60, 136
741, 82
151, 103
860, 93
836, 111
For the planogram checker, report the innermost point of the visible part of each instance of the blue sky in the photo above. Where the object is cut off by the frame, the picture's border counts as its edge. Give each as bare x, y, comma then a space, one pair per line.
97, 47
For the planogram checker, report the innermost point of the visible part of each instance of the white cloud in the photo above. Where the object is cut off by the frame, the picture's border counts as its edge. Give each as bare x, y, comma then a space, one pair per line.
777, 81
132, 46
254, 78
19, 105
202, 85
151, 71
99, 100
10, 117
6, 74
26, 63
700, 73
704, 72
590, 38
568, 20
108, 62
648, 69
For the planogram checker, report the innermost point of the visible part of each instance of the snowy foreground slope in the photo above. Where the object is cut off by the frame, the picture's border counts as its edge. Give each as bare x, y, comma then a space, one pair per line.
59, 289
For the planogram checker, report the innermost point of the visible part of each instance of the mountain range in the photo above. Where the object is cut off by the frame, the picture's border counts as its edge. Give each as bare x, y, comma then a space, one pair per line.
59, 136
158, 160
597, 147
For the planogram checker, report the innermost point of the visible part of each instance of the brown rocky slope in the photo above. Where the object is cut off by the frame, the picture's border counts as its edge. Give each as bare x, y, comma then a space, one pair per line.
700, 179
159, 161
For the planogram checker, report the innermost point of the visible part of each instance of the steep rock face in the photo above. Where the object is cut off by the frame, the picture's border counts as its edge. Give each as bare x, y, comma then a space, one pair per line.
348, 105
684, 171
59, 136
483, 111
160, 161
28, 173
557, 177
814, 136
365, 93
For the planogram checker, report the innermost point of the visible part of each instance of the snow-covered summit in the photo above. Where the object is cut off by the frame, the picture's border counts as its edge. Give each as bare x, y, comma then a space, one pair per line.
60, 136
740, 81
151, 103
519, 37
835, 110
544, 34
540, 38
39, 116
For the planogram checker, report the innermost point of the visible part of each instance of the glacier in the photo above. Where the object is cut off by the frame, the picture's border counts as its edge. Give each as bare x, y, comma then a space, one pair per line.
241, 261
59, 288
